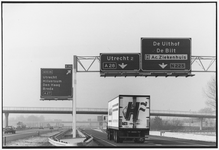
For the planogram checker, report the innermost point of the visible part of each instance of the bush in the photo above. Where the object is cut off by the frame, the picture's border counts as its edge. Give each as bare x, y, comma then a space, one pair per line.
158, 124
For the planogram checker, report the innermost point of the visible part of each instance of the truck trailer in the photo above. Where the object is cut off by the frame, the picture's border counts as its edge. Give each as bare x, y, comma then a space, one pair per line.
128, 118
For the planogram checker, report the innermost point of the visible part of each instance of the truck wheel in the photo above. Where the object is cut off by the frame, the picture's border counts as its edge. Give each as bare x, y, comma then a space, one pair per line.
117, 139
115, 136
139, 140
109, 135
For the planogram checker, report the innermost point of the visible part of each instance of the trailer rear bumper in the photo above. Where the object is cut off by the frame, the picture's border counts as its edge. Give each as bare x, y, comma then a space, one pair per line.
120, 135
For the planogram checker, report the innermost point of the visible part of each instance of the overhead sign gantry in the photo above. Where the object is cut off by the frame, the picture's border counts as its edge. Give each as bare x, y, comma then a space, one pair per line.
158, 57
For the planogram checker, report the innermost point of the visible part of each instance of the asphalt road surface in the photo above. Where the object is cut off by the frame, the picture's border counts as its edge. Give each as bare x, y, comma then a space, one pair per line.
153, 141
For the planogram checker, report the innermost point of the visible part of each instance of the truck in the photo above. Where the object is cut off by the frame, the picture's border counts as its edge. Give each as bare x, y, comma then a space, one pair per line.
128, 118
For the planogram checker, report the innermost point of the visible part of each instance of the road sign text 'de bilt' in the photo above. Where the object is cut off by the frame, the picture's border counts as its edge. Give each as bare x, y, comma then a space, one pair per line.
56, 83
166, 54
119, 62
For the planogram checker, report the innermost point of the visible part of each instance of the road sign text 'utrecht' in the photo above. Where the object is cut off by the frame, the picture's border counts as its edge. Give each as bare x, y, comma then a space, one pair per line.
119, 62
166, 54
56, 83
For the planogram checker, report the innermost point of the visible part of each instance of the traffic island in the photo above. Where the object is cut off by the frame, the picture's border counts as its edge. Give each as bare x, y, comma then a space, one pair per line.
65, 139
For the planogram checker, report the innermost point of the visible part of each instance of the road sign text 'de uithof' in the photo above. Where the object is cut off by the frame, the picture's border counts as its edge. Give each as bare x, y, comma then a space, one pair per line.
166, 54
56, 83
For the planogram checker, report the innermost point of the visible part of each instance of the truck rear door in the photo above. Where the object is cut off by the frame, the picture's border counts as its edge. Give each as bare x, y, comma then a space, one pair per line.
134, 112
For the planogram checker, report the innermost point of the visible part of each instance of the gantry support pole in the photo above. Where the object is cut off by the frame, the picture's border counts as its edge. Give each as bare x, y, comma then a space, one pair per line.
201, 124
74, 97
6, 119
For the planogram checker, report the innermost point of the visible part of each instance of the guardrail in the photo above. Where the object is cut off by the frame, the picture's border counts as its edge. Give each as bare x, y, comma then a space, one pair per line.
59, 143
186, 131
89, 139
180, 112
56, 139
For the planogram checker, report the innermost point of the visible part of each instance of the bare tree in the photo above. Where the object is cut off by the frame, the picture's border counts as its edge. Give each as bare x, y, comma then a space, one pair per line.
210, 93
208, 110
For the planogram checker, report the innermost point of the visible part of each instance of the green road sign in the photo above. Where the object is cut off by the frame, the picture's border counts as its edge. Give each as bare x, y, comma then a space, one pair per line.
56, 83
166, 54
119, 62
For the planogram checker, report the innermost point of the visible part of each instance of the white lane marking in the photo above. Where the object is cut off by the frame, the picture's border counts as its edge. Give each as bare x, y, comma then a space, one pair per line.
98, 130
106, 141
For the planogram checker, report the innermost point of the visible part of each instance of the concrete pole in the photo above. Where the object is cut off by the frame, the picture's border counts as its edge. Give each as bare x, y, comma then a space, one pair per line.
6, 119
90, 122
201, 123
74, 97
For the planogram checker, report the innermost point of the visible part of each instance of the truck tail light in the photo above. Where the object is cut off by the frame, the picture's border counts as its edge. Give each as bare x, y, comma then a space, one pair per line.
147, 123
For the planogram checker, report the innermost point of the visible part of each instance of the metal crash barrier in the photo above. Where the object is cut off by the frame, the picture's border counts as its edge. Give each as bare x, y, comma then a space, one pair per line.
83, 140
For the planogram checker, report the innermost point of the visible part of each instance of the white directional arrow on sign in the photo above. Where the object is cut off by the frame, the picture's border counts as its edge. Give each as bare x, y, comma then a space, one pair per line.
69, 71
122, 65
162, 65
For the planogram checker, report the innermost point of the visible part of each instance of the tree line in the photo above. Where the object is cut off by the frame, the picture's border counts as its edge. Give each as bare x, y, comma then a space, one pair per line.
158, 123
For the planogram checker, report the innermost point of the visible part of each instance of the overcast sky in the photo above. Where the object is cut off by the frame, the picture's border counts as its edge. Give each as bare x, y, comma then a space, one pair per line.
48, 35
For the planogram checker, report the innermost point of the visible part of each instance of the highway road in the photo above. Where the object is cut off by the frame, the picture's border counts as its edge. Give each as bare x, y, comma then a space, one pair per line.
25, 134
152, 141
